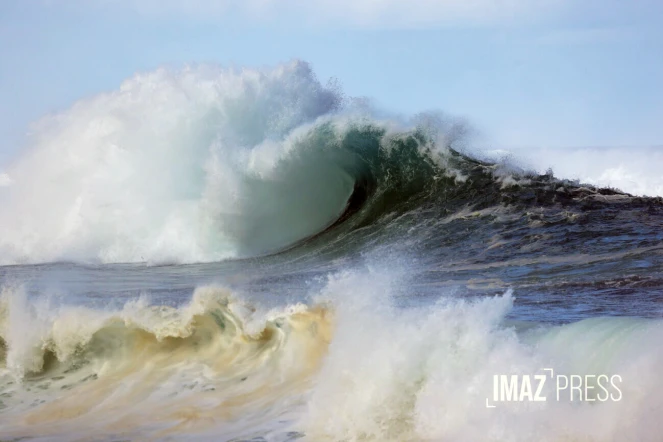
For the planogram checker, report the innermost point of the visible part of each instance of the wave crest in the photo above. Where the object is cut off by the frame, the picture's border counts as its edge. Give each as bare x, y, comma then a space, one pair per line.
214, 328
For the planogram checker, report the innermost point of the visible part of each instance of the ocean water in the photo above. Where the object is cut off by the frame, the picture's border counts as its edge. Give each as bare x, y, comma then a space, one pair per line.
247, 255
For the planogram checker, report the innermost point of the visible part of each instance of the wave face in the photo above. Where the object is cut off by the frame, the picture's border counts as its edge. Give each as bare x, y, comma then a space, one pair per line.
350, 366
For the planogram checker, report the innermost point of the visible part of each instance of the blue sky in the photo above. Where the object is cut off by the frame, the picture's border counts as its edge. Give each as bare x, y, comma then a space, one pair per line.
545, 73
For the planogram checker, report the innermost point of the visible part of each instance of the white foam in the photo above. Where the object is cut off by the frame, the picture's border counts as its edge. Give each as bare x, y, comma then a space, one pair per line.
425, 374
386, 373
200, 164
636, 170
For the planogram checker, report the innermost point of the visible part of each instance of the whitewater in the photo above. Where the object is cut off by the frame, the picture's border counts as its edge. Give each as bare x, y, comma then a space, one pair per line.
243, 254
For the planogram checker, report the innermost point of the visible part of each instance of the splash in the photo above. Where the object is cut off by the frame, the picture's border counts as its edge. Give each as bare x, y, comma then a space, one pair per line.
195, 165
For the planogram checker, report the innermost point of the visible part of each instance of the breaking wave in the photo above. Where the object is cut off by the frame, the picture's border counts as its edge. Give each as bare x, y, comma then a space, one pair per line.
206, 164
347, 366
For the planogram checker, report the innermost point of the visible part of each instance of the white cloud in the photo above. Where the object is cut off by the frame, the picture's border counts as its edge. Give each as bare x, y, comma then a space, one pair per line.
5, 180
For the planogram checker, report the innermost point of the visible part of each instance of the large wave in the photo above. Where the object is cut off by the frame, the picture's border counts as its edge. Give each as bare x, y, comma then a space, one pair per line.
201, 164
205, 164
